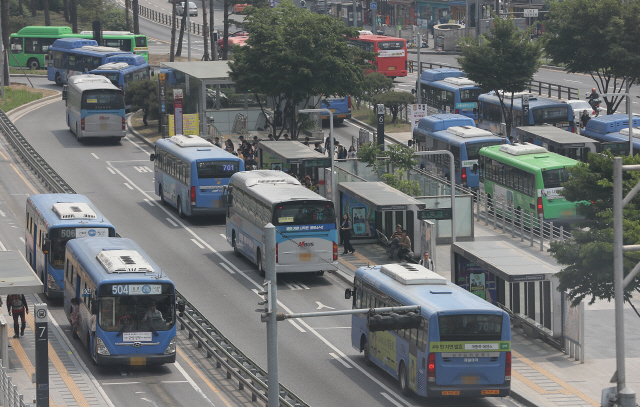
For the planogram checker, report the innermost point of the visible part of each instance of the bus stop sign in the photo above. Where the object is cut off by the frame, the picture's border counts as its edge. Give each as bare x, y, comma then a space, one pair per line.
435, 214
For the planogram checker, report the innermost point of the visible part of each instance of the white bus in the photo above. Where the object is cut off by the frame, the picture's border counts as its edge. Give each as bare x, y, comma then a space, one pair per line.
95, 107
305, 222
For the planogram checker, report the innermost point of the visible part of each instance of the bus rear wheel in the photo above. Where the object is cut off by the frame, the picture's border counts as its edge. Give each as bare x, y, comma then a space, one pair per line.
259, 263
404, 383
364, 344
234, 244
180, 214
33, 64
58, 79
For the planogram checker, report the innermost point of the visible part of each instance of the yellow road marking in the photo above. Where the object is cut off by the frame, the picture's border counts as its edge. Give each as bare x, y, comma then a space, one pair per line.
570, 389
35, 108
346, 263
530, 383
29, 185
4, 156
215, 390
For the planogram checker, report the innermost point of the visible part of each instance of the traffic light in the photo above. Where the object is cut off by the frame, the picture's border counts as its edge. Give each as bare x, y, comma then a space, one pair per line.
266, 295
393, 321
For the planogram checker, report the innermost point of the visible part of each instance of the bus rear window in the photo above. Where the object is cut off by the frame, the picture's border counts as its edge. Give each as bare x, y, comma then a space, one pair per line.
390, 45
470, 327
473, 150
216, 169
469, 95
103, 100
555, 178
141, 41
551, 114
112, 76
304, 213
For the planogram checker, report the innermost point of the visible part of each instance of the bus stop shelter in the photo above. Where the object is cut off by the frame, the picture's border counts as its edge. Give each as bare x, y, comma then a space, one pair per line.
558, 141
375, 207
509, 277
292, 157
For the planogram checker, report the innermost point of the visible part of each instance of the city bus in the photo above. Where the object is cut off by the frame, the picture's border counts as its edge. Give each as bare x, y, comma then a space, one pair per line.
447, 90
30, 45
190, 173
305, 222
391, 58
614, 129
529, 178
541, 111
456, 133
71, 56
127, 305
462, 347
340, 107
95, 107
559, 141
124, 69
52, 220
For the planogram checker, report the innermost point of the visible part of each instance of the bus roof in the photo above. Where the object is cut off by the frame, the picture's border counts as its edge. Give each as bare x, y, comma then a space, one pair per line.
111, 268
443, 121
610, 123
438, 74
534, 101
90, 82
191, 151
57, 210
435, 293
452, 83
44, 30
129, 59
535, 160
261, 184
377, 38
458, 135
554, 136
71, 43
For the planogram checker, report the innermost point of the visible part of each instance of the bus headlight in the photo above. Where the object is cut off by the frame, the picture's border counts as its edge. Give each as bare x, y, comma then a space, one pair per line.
51, 283
101, 349
171, 348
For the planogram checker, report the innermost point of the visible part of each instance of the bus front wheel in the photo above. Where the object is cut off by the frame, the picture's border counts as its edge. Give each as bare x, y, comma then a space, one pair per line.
364, 345
259, 262
404, 383
33, 64
234, 244
180, 214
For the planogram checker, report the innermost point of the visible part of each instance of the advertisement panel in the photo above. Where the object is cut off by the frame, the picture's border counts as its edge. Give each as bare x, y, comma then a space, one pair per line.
362, 217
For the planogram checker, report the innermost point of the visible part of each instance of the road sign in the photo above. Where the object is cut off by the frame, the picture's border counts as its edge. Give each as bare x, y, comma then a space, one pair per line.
373, 6
530, 12
437, 214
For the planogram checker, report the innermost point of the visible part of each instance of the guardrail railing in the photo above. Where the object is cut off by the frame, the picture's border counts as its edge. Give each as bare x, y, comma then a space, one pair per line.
165, 19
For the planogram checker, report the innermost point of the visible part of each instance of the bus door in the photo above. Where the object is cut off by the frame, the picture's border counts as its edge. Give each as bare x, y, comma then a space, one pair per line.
78, 282
34, 247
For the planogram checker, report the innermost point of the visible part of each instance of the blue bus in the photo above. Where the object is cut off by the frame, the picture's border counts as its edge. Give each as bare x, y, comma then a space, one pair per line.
72, 56
339, 106
461, 349
127, 305
541, 111
190, 174
124, 69
447, 90
614, 128
458, 134
306, 234
53, 220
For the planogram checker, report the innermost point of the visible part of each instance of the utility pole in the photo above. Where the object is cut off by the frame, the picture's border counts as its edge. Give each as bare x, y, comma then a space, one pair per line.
268, 314
188, 11
418, 88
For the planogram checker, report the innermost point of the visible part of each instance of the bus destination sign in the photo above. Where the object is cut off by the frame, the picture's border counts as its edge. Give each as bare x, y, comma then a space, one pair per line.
436, 214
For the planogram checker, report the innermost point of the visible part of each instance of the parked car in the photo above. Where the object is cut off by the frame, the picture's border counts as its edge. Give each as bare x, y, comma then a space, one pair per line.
193, 9
237, 8
235, 34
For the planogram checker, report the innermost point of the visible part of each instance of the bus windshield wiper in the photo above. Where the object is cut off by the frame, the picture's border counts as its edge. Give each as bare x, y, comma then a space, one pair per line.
152, 330
124, 326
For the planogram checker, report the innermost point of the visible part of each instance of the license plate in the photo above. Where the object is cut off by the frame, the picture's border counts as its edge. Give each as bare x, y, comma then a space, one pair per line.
104, 126
469, 379
451, 393
333, 110
392, 68
305, 256
485, 392
342, 115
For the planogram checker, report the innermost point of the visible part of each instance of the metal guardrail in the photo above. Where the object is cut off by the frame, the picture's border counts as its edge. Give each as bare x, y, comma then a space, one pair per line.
9, 391
249, 375
165, 19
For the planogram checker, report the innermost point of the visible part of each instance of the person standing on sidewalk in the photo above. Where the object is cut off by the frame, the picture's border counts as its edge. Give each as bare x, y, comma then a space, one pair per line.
17, 305
345, 230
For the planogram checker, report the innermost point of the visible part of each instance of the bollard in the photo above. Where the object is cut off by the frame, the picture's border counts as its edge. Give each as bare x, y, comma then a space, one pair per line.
504, 215
477, 208
495, 212
562, 233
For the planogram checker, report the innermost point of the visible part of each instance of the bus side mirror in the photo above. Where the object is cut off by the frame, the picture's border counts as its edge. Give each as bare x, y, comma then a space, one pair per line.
46, 246
152, 157
181, 307
64, 92
152, 73
348, 293
475, 168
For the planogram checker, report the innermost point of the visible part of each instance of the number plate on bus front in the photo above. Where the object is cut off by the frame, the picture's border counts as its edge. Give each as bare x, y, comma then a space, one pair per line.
136, 336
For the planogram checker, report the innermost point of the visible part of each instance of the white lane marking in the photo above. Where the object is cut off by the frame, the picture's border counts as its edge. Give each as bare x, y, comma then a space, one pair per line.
142, 168
140, 392
193, 384
321, 305
149, 201
259, 286
137, 145
22, 240
223, 235
128, 186
197, 243
227, 268
95, 156
2, 214
111, 171
172, 222
2, 247
119, 383
334, 327
388, 397
31, 110
569, 80
290, 320
174, 381
339, 359
146, 399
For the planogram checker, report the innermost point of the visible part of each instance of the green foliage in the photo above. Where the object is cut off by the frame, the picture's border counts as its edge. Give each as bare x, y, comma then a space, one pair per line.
370, 154
401, 157
16, 23
505, 60
397, 181
599, 38
589, 255
114, 20
293, 55
17, 97
374, 84
394, 101
112, 17
143, 95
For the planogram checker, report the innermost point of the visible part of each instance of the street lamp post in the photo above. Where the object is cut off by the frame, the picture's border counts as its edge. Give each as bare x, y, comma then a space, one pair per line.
333, 184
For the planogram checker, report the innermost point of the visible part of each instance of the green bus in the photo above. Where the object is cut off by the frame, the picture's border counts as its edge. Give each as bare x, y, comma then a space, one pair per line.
29, 45
529, 178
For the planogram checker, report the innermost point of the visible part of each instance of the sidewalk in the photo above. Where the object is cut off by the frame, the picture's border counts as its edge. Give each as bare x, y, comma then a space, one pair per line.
69, 381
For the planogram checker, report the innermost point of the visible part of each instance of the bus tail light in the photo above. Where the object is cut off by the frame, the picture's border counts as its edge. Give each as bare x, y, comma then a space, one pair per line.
539, 206
124, 127
276, 253
349, 101
335, 251
507, 367
457, 111
193, 195
463, 176
431, 367
82, 124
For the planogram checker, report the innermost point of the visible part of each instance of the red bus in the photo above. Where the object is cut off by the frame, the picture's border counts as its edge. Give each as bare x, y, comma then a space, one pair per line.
392, 53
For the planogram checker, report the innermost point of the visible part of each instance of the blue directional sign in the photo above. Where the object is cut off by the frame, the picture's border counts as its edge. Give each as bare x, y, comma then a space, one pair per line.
373, 6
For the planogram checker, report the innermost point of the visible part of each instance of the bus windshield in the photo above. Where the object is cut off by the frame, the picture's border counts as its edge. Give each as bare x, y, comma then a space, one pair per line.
60, 236
469, 95
473, 150
555, 178
550, 114
216, 169
470, 327
102, 100
304, 213
129, 313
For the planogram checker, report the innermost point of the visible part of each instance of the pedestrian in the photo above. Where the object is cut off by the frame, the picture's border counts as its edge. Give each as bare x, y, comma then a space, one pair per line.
342, 153
426, 262
256, 140
352, 154
394, 240
241, 138
216, 142
270, 136
405, 246
278, 117
74, 315
240, 154
345, 233
17, 305
319, 148
306, 141
584, 119
286, 137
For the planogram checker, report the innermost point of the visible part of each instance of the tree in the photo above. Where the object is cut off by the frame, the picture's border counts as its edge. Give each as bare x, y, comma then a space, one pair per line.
127, 7
391, 165
397, 181
374, 84
503, 62
225, 38
136, 22
73, 9
205, 31
183, 25
47, 18
172, 52
143, 96
293, 55
589, 255
599, 38
394, 101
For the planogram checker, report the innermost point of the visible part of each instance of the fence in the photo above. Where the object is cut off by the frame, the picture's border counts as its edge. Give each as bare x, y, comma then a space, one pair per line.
9, 396
165, 19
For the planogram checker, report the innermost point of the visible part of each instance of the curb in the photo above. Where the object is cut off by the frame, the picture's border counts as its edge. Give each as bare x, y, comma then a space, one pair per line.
553, 68
26, 106
135, 133
22, 75
434, 52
